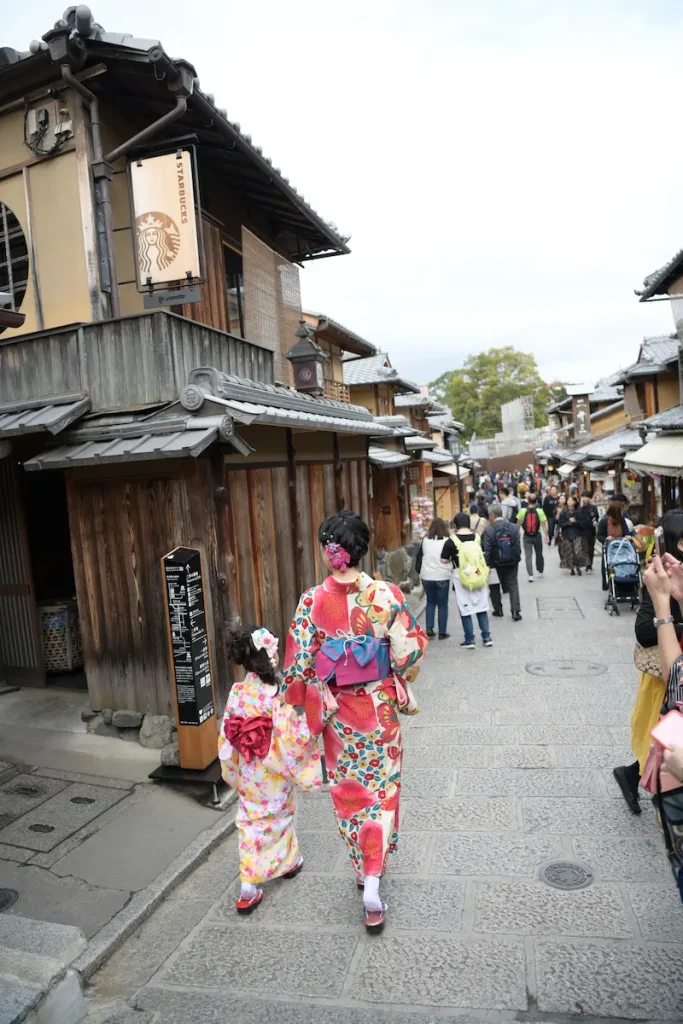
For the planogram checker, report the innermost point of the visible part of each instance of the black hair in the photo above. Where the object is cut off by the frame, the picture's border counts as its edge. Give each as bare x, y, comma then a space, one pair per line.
586, 494
532, 497
474, 508
349, 531
239, 647
461, 520
504, 490
672, 524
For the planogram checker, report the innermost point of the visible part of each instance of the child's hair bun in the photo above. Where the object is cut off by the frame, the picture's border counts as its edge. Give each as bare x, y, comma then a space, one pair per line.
239, 645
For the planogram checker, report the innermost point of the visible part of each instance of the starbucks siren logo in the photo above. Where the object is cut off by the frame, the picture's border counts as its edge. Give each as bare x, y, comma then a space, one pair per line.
158, 241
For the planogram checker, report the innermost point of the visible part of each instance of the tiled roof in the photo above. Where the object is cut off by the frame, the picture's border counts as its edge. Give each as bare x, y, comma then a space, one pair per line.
657, 282
400, 425
50, 416
437, 456
614, 407
670, 419
606, 393
611, 446
659, 349
347, 340
374, 370
381, 456
143, 447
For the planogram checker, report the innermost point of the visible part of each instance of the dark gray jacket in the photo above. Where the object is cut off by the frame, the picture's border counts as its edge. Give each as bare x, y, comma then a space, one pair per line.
500, 527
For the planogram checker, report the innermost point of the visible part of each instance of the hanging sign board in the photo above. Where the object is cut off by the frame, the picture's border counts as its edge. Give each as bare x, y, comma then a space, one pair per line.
189, 656
165, 236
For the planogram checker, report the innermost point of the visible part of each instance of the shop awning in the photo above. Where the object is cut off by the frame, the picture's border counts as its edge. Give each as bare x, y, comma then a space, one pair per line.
437, 456
566, 469
450, 469
180, 444
663, 456
417, 443
594, 464
49, 414
384, 457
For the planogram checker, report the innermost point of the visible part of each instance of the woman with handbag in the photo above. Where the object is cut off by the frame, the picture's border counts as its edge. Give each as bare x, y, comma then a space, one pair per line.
651, 688
352, 650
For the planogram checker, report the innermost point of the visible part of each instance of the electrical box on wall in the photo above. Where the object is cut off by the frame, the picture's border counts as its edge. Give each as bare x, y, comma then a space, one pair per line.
48, 127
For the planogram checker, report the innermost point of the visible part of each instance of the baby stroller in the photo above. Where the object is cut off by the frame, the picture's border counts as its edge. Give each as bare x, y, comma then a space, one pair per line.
621, 571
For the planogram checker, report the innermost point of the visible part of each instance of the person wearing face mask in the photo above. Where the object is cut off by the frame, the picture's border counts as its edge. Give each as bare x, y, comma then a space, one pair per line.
652, 686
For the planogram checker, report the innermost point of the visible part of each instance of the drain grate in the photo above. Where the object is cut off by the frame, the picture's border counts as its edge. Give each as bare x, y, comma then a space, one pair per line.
41, 828
568, 668
566, 874
8, 897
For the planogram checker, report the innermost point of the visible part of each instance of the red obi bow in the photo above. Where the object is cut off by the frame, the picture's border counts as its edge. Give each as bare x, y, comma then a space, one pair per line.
250, 736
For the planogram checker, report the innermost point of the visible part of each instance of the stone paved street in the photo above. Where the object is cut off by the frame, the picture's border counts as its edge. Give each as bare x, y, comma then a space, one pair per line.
508, 766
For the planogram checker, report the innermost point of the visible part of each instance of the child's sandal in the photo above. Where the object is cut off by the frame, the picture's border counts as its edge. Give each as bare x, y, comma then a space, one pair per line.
295, 870
246, 906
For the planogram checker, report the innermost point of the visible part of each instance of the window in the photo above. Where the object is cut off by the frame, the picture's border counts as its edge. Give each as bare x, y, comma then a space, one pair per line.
234, 282
13, 258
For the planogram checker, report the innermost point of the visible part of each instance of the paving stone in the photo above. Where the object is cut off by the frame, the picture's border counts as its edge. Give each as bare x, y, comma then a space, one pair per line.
119, 1015
560, 734
24, 792
489, 814
425, 782
641, 859
583, 817
57, 941
607, 716
450, 715
528, 782
247, 960
522, 757
593, 757
17, 999
535, 716
90, 780
321, 851
456, 736
134, 963
316, 813
15, 853
586, 696
484, 854
175, 1007
658, 909
411, 856
532, 908
472, 973
443, 757
621, 736
609, 980
499, 700
60, 815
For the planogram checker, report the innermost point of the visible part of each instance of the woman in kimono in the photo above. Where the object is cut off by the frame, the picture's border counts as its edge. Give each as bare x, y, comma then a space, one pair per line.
265, 749
352, 649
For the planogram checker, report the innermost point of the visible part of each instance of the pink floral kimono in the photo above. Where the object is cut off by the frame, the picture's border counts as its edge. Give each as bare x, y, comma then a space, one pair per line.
359, 723
277, 753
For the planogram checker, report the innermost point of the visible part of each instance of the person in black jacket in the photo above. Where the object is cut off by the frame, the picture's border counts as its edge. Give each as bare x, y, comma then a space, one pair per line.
592, 518
550, 509
503, 551
652, 687
572, 545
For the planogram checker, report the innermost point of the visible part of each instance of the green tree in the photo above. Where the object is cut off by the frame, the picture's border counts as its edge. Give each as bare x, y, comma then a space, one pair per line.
486, 381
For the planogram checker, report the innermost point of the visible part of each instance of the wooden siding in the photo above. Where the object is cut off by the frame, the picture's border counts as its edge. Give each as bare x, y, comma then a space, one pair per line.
120, 528
386, 513
213, 308
124, 364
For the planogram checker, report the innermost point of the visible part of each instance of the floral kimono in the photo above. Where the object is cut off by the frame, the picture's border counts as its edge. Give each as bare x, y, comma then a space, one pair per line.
275, 753
366, 619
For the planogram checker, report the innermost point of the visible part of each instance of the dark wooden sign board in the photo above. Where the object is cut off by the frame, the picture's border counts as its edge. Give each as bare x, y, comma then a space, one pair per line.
190, 658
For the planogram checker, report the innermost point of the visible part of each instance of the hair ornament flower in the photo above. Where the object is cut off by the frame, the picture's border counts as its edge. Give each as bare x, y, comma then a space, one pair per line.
263, 639
339, 558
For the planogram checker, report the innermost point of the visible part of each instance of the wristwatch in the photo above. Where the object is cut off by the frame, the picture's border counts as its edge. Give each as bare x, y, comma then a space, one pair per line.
662, 622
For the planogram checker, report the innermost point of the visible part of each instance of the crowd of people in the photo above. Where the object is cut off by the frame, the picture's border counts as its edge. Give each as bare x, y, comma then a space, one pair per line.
353, 651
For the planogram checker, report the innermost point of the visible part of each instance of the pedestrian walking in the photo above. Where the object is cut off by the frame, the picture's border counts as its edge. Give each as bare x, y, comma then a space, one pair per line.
265, 750
503, 552
433, 564
550, 508
532, 522
509, 504
353, 646
590, 517
477, 523
652, 686
482, 505
561, 505
470, 582
572, 544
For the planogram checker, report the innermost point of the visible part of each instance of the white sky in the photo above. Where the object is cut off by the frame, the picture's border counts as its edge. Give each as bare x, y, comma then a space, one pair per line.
508, 169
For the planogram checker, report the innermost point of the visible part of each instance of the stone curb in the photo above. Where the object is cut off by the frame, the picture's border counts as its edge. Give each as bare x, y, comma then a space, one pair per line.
144, 902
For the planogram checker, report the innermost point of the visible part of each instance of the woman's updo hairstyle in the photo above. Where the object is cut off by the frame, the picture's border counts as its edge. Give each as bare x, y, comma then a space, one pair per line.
239, 647
349, 531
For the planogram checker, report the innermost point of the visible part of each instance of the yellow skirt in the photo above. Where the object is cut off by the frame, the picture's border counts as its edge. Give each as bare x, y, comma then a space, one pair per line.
645, 715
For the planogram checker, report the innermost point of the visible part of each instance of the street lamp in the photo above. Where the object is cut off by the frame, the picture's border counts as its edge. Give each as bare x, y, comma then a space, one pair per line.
456, 450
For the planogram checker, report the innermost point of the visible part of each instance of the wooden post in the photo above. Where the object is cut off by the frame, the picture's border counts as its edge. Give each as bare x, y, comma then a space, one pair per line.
297, 545
338, 474
189, 656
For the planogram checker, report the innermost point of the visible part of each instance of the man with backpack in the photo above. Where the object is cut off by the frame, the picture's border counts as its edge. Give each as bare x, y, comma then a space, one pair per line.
503, 551
469, 582
532, 520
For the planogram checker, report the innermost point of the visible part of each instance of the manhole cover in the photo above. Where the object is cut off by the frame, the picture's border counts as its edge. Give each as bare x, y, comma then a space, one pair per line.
8, 897
82, 800
565, 874
568, 668
41, 828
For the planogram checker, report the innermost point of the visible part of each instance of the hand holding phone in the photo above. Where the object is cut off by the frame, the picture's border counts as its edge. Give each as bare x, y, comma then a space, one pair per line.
660, 543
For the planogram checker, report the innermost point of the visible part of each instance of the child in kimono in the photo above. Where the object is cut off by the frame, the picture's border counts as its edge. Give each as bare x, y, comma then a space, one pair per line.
265, 749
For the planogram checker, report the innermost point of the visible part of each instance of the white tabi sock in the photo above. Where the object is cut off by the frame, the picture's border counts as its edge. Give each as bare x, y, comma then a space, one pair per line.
371, 897
248, 891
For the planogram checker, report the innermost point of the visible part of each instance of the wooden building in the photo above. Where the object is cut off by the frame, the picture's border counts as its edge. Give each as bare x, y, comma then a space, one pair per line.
126, 431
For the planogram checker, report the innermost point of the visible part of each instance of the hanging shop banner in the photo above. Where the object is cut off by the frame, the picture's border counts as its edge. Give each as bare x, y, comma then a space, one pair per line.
166, 241
582, 417
189, 643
